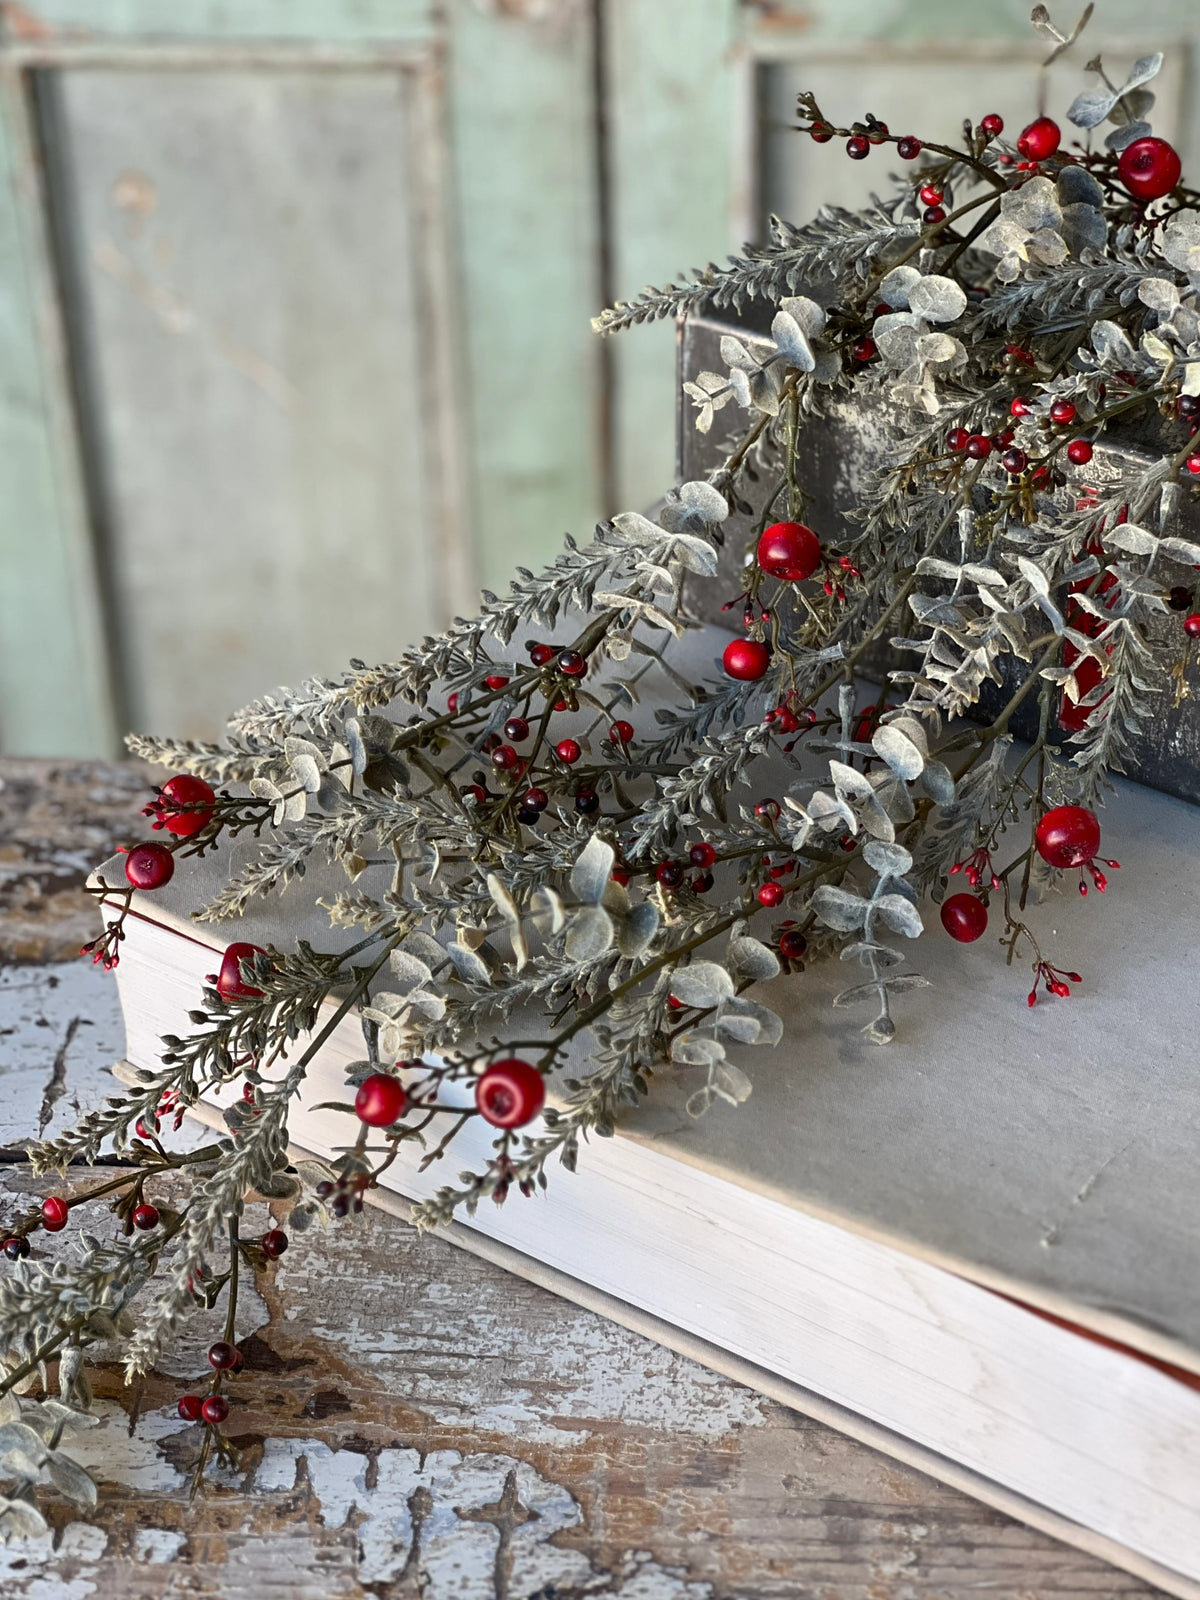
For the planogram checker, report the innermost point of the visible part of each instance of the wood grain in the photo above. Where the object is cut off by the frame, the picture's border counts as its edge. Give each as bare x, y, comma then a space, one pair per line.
415, 1422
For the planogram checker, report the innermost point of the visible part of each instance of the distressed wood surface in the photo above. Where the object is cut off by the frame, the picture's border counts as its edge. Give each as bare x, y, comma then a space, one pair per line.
416, 1423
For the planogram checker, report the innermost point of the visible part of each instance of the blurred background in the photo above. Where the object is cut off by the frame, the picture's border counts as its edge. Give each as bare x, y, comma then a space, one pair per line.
295, 350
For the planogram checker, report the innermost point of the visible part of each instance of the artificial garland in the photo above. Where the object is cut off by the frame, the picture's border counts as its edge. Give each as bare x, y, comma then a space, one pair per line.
559, 854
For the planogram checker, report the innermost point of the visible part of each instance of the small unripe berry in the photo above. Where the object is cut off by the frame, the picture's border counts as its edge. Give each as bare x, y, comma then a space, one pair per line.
587, 801
380, 1100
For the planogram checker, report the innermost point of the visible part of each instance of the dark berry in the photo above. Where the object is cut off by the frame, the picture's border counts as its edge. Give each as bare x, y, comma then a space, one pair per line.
476, 791
16, 1247
55, 1211
877, 132
572, 664
1004, 438
145, 1216
380, 1100
340, 1205
1014, 461
510, 1093
858, 148
1040, 139
223, 1356
587, 801
149, 866
964, 917
768, 809
538, 799
215, 1409
1180, 598
702, 855
324, 1190
1149, 168
669, 874
1079, 452
528, 816
820, 133
190, 1407
979, 447
957, 440
746, 659
792, 944
1188, 405
516, 729
504, 758
908, 148
274, 1243
933, 214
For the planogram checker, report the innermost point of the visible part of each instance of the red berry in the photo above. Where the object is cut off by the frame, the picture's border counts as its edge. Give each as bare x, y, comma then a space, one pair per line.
1191, 625
821, 133
669, 874
1193, 464
878, 132
452, 703
274, 1243
55, 1211
1149, 168
770, 894
1040, 139
702, 855
215, 1409
223, 1356
149, 866
956, 439
1079, 451
510, 1093
568, 750
1062, 412
229, 979
979, 447
495, 681
542, 654
572, 664
908, 148
768, 809
858, 148
186, 790
16, 1247
380, 1100
932, 194
621, 732
504, 758
932, 215
964, 917
190, 1407
864, 349
476, 790
145, 1216
789, 550
746, 659
1014, 461
1068, 836
992, 125
1019, 407
536, 799
516, 729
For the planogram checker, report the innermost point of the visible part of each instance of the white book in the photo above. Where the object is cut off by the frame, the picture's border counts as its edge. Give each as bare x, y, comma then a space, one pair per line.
977, 1248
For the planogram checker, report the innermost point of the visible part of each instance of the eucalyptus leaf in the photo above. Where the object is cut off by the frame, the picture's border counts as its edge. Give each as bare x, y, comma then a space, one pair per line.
900, 915
838, 908
701, 984
593, 870
589, 934
750, 958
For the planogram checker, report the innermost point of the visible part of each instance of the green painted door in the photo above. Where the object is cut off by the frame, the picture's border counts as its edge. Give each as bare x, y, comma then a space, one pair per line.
295, 297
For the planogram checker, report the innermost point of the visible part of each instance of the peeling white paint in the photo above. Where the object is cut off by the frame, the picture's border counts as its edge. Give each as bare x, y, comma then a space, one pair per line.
158, 1545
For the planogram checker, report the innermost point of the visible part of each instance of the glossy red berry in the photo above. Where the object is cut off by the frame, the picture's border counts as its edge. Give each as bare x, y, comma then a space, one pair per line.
149, 866
957, 439
1004, 438
536, 799
16, 1247
215, 1409
964, 917
1149, 168
877, 132
858, 147
746, 659
1062, 412
864, 349
1079, 452
510, 1093
932, 194
1040, 139
55, 1212
572, 664
770, 894
933, 215
1193, 464
476, 791
274, 1243
1191, 625
979, 447
702, 855
992, 125
1014, 461
542, 654
908, 148
230, 983
504, 758
1068, 836
380, 1100
516, 729
190, 1407
1019, 407
792, 944
186, 790
223, 1356
568, 750
621, 732
669, 874
145, 1216
496, 680
821, 133
789, 550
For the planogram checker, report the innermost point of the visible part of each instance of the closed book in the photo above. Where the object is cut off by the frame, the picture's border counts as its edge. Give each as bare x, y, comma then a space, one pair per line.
977, 1248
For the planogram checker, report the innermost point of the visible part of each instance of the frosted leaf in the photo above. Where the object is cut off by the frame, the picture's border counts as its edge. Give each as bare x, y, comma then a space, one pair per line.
1090, 107
1111, 344
938, 299
838, 908
808, 316
849, 782
592, 870
897, 285
696, 1049
742, 1030
470, 967
770, 1024
1160, 294
792, 342
734, 354
554, 913
887, 860
750, 958
938, 782
1034, 205
20, 1520
900, 915
937, 348
1033, 575
502, 899
731, 1083
1076, 186
1128, 536
636, 931
898, 750
1083, 228
615, 898
1121, 138
409, 969
701, 984
702, 501
896, 338
700, 1103
589, 934
1180, 243
697, 555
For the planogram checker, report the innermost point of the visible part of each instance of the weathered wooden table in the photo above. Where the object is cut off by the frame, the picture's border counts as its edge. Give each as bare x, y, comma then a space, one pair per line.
415, 1422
